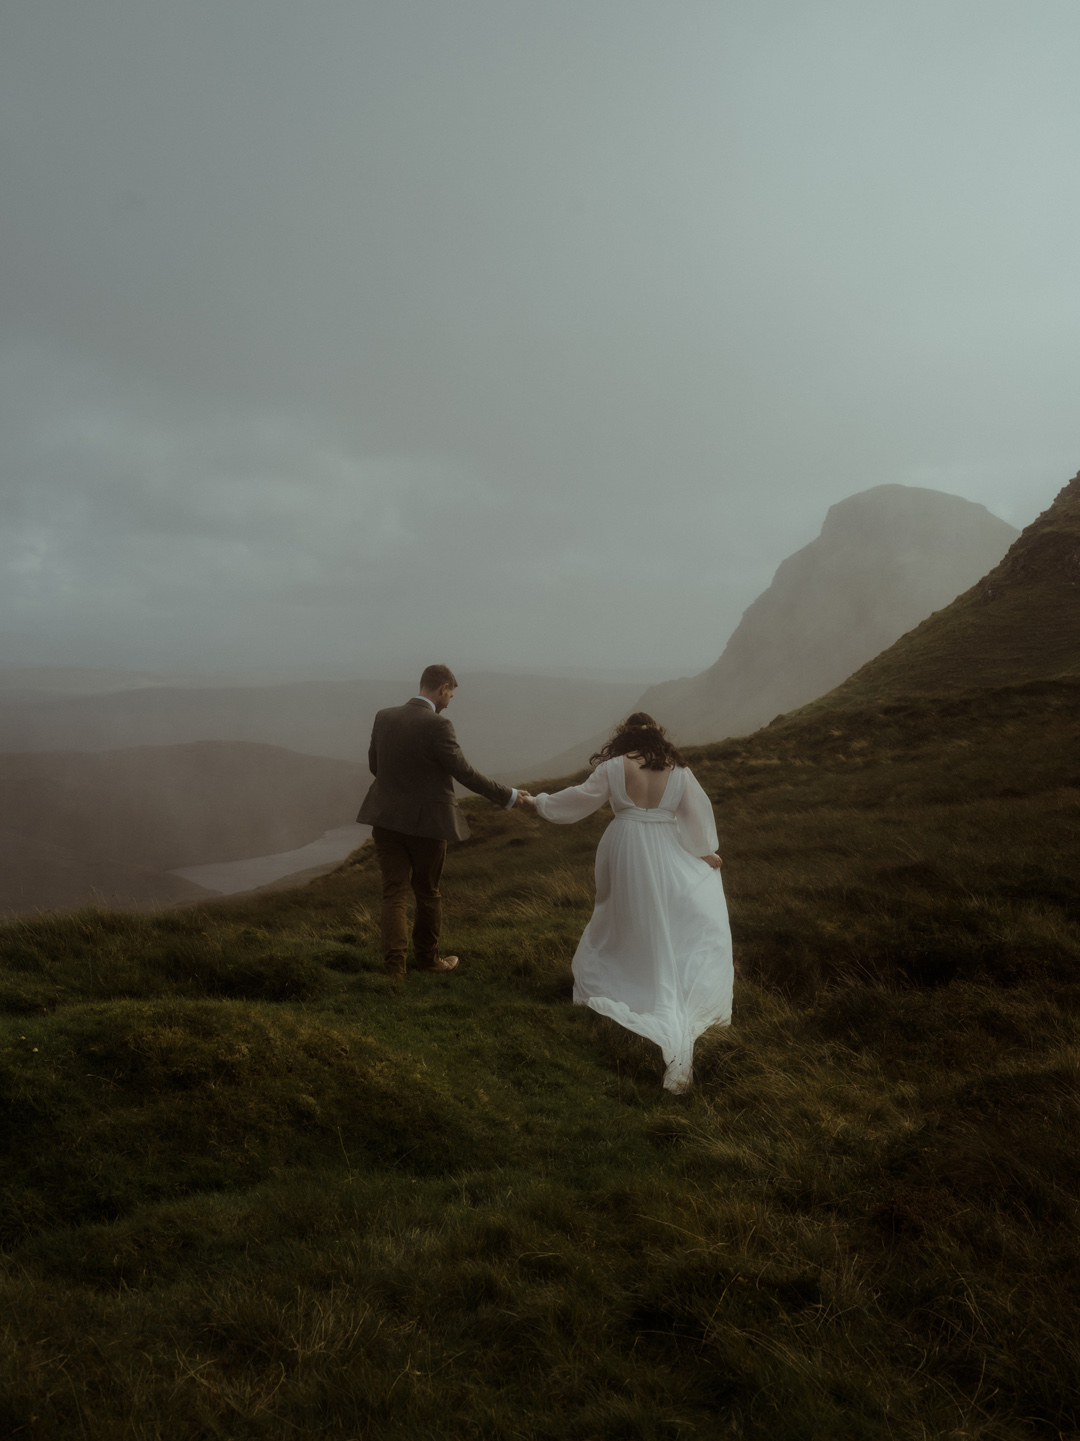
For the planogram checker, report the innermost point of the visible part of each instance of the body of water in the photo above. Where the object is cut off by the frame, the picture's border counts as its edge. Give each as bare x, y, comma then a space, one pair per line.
229, 877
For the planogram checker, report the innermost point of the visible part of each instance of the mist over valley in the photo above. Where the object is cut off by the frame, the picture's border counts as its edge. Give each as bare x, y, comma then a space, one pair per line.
510, 719
105, 828
885, 560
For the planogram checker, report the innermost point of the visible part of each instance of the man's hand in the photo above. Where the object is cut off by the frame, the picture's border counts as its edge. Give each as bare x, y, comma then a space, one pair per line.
525, 799
713, 860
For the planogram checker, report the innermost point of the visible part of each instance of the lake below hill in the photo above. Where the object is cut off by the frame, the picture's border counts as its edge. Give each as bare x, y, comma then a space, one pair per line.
230, 877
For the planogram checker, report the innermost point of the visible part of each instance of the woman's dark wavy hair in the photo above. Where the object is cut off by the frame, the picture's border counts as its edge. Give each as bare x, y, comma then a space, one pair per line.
640, 735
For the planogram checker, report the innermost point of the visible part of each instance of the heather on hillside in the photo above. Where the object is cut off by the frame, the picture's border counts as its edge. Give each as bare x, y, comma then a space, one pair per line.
255, 1188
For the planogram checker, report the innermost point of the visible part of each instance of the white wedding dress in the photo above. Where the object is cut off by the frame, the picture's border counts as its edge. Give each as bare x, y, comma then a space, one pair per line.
656, 955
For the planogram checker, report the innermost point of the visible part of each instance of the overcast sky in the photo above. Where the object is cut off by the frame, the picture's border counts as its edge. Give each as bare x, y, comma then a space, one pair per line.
351, 335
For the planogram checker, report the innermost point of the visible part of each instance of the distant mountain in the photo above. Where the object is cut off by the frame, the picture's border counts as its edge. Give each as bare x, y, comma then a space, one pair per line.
106, 827
1021, 622
505, 722
35, 682
884, 560
320, 718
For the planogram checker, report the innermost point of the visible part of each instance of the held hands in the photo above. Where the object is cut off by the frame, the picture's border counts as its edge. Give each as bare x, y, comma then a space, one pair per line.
525, 801
713, 860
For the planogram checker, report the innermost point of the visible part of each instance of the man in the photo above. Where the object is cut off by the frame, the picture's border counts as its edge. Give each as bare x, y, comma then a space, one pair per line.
415, 759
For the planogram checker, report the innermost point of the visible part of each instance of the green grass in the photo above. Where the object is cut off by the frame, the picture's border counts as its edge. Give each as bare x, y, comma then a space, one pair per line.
255, 1188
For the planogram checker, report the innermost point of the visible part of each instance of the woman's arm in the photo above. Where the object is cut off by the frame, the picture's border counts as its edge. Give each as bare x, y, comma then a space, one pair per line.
697, 824
575, 802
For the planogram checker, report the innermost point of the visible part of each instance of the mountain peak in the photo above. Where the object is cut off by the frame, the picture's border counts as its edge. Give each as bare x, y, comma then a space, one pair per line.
885, 558
913, 503
1020, 622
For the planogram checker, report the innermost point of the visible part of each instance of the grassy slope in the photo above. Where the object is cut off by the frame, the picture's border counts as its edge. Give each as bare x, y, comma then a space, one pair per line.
256, 1189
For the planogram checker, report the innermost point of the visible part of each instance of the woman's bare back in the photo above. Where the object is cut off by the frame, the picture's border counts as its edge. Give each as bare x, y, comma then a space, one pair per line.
644, 787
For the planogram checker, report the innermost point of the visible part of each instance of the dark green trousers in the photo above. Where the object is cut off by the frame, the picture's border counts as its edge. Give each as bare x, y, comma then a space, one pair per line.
404, 862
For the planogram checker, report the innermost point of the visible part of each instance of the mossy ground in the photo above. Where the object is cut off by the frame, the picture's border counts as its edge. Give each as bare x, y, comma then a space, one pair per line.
255, 1188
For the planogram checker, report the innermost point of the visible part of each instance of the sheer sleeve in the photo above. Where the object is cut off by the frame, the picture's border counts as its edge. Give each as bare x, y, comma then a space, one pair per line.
697, 824
576, 802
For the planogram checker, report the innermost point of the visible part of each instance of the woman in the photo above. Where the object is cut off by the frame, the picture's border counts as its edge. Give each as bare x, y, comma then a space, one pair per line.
656, 955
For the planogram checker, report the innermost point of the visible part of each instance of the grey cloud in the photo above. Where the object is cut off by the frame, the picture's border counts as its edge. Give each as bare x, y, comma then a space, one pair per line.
268, 532
366, 329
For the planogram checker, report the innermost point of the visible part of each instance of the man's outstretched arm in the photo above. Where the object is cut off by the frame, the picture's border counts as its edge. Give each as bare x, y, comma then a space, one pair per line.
449, 756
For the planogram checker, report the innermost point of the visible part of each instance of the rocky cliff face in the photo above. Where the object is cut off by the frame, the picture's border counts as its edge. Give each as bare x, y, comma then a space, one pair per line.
885, 559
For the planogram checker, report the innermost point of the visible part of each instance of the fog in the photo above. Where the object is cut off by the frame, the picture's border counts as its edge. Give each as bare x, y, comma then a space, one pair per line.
341, 337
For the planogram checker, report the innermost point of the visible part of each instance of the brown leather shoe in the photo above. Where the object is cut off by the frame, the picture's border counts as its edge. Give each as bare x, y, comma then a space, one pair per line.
442, 963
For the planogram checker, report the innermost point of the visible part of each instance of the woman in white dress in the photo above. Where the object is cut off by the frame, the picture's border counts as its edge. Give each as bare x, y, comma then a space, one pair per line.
656, 955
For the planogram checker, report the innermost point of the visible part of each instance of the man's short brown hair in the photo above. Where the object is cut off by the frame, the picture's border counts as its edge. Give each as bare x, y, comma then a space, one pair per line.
436, 676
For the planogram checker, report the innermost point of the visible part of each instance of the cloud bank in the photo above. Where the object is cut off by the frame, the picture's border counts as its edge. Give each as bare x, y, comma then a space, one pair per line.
514, 334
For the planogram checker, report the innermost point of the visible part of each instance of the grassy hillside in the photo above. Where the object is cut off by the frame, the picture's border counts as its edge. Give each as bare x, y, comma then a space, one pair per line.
254, 1188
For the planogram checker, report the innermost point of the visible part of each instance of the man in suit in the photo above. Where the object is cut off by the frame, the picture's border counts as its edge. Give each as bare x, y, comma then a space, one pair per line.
415, 759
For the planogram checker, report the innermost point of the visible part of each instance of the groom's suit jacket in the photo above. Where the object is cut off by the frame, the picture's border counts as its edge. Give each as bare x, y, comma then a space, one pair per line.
415, 759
